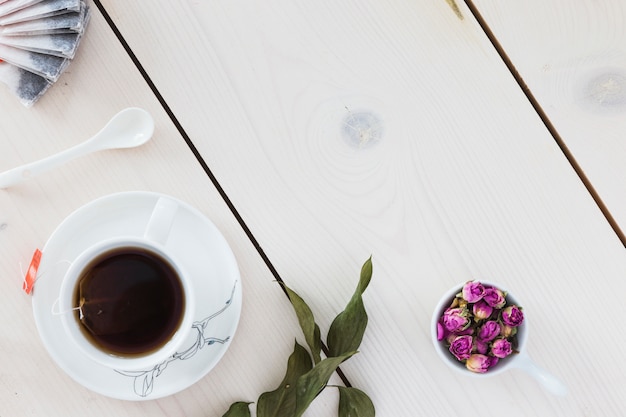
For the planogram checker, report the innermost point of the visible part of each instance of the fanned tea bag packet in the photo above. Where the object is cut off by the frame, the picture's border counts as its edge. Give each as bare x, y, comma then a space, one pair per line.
38, 40
47, 66
11, 6
40, 10
62, 45
66, 23
25, 85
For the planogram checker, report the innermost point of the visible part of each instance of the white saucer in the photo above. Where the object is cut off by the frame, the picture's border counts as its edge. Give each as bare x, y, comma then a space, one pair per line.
205, 254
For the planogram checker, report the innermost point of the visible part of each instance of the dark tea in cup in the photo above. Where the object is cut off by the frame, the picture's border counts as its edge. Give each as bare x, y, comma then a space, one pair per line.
131, 301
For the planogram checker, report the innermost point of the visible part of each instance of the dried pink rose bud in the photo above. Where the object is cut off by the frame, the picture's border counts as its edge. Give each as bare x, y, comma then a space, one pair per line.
494, 297
461, 347
473, 291
501, 348
512, 316
507, 331
456, 319
482, 310
442, 333
478, 363
489, 331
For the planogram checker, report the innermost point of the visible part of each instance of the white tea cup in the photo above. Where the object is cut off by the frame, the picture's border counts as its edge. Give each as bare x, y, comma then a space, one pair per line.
151, 249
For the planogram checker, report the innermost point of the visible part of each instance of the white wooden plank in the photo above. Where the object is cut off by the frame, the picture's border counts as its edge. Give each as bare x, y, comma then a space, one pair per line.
573, 60
463, 181
101, 81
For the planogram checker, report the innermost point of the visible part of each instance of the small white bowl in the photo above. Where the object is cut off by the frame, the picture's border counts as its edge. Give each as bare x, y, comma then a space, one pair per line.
450, 360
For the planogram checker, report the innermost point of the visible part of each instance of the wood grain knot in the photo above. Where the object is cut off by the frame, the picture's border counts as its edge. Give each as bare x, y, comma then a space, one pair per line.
362, 129
607, 90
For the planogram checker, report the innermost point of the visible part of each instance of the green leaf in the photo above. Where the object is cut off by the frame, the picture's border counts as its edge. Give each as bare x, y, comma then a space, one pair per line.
366, 276
310, 329
355, 403
313, 382
346, 331
282, 401
238, 409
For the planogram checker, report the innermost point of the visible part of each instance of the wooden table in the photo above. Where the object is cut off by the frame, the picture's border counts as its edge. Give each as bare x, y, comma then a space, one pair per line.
316, 134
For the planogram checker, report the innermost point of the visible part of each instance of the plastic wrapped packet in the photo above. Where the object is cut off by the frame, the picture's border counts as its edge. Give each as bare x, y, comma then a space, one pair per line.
7, 7
46, 8
72, 22
38, 40
47, 66
63, 44
25, 85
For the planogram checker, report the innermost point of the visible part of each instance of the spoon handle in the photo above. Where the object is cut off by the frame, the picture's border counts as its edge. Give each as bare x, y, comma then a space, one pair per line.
550, 382
18, 174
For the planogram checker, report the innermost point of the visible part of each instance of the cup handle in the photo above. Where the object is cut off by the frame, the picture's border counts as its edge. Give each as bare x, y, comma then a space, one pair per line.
161, 220
550, 382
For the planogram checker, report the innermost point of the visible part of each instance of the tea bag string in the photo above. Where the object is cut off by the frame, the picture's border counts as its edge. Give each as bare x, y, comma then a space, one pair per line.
56, 312
41, 273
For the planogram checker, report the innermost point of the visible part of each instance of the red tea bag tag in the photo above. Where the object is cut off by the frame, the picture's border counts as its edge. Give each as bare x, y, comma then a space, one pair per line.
31, 274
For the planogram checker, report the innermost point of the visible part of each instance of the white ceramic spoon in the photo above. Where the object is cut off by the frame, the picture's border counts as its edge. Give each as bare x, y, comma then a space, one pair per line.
550, 382
520, 360
127, 129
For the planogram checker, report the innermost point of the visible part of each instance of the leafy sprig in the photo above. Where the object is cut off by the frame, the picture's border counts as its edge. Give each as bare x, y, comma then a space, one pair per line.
307, 373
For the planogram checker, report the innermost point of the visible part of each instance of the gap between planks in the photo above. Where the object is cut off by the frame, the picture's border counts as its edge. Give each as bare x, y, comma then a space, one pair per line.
202, 162
546, 121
